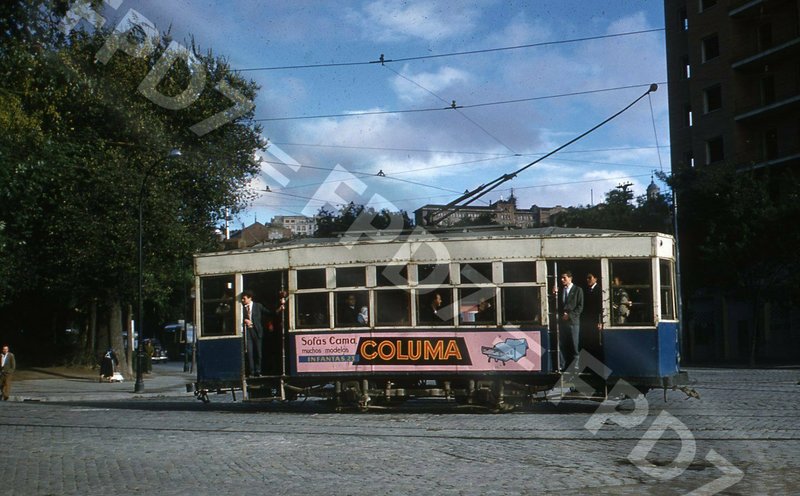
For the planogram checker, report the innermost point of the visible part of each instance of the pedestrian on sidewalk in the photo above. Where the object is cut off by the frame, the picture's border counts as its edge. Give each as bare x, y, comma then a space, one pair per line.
108, 365
7, 367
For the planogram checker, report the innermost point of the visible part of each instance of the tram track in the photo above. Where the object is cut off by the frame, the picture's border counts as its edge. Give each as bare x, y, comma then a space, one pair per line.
396, 430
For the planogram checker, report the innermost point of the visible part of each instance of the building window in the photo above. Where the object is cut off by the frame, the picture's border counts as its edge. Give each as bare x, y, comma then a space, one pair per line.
764, 36
714, 150
689, 158
767, 89
687, 69
712, 98
769, 144
707, 4
687, 115
709, 48
684, 20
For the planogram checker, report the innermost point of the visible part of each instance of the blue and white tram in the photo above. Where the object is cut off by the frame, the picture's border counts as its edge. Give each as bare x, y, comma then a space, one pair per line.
467, 315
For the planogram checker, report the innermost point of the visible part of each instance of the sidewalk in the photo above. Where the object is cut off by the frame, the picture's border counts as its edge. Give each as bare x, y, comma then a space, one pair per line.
59, 384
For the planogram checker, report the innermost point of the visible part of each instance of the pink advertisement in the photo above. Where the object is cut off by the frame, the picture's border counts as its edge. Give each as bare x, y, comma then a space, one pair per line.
421, 350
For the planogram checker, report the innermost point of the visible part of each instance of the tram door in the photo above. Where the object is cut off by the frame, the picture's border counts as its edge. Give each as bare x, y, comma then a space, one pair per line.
266, 288
590, 335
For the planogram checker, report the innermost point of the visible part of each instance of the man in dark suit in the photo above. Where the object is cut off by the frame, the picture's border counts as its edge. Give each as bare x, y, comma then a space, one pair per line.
253, 314
592, 318
570, 307
7, 367
434, 312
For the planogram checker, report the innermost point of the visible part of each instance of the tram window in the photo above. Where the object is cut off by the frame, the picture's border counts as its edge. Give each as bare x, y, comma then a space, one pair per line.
312, 310
519, 271
667, 293
348, 277
433, 274
521, 305
631, 292
218, 306
352, 309
391, 275
477, 306
476, 273
392, 307
434, 307
310, 278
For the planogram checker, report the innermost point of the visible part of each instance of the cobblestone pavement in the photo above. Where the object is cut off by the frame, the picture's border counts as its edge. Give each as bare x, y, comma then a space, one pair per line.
740, 437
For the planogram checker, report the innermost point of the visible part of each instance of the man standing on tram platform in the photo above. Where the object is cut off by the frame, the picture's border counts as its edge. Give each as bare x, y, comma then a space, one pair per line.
570, 307
592, 317
253, 315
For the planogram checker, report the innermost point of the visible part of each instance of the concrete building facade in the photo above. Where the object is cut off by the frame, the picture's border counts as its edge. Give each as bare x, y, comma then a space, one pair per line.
734, 82
734, 101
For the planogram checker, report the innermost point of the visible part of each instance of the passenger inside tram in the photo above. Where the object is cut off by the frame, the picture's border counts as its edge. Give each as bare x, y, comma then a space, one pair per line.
435, 311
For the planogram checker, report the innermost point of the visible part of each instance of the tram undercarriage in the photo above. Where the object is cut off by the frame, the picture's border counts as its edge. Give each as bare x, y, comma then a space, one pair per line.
497, 394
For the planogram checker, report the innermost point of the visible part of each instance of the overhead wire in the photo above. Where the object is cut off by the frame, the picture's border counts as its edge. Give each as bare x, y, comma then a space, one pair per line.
456, 107
360, 174
516, 188
458, 152
470, 196
383, 60
450, 107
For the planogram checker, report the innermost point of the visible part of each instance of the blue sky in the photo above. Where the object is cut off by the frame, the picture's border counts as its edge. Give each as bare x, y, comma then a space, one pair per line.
559, 91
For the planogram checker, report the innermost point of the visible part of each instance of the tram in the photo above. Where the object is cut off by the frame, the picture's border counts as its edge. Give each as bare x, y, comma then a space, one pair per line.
373, 319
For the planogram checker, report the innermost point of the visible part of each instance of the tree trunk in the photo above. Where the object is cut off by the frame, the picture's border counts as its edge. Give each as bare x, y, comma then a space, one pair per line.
115, 326
92, 345
130, 351
755, 333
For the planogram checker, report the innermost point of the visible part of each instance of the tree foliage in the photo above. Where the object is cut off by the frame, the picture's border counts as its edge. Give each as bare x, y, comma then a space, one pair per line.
352, 218
80, 140
737, 228
621, 211
738, 238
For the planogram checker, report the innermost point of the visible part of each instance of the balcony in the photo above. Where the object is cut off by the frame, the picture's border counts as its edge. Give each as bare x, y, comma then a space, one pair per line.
790, 159
787, 50
741, 9
754, 110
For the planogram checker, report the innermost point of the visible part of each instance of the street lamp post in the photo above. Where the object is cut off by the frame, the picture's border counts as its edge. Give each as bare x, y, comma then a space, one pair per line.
139, 386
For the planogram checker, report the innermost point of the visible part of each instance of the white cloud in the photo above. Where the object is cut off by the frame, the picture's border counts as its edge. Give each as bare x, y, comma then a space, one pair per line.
426, 86
385, 20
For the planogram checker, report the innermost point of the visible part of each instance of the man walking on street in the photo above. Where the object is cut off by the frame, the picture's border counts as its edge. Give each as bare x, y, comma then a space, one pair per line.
7, 367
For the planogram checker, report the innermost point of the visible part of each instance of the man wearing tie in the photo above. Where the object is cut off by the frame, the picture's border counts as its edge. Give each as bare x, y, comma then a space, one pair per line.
570, 306
592, 317
253, 312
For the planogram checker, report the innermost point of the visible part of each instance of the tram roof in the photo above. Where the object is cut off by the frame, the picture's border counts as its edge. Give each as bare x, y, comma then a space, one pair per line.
491, 232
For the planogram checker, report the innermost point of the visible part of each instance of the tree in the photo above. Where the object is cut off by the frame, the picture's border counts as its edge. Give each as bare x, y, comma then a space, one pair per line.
355, 219
737, 236
618, 212
81, 139
484, 219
